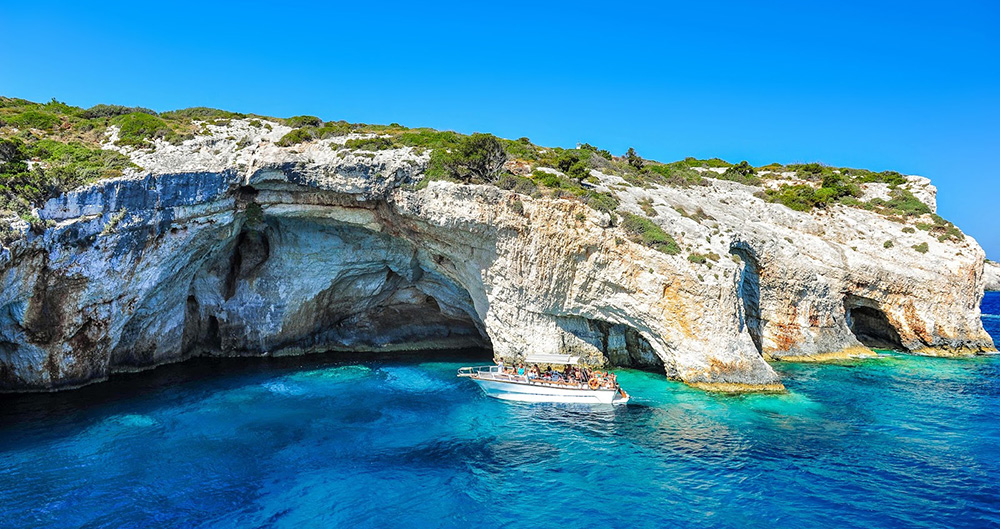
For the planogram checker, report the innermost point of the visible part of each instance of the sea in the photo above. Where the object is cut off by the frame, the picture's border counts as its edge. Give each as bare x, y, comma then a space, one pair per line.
319, 441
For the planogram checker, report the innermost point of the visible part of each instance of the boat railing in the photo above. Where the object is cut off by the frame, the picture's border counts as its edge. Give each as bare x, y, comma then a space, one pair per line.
496, 373
491, 373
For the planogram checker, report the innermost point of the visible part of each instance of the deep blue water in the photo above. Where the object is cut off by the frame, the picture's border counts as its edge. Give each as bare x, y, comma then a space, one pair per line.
897, 441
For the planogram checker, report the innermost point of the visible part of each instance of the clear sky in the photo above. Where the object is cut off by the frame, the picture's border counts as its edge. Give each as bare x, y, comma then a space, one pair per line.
909, 86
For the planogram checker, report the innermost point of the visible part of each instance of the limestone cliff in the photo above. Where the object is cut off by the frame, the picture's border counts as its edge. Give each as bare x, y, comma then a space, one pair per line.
992, 273
241, 247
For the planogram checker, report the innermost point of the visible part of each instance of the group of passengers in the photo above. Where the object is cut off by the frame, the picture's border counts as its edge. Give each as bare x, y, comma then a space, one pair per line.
571, 375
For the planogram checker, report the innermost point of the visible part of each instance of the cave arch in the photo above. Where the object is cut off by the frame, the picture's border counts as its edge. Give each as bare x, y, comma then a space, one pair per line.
617, 344
870, 324
297, 285
748, 292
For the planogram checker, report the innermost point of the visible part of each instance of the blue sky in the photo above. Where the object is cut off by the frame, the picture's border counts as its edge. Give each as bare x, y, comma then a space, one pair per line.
908, 86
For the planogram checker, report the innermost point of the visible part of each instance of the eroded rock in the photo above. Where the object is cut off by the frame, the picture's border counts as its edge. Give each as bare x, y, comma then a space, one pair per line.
266, 251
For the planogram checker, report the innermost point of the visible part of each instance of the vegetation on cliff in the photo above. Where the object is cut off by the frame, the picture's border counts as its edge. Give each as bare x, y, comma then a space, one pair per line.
50, 148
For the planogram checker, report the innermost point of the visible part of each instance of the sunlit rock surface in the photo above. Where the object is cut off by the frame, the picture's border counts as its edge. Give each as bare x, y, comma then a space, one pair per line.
229, 247
992, 272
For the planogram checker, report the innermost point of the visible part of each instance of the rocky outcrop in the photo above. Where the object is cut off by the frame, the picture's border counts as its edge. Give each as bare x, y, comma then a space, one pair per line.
992, 276
230, 247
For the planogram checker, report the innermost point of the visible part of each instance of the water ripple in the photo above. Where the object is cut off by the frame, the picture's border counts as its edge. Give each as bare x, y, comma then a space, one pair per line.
894, 441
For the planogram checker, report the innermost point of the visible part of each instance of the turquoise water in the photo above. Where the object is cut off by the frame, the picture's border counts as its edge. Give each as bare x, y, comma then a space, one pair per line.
896, 441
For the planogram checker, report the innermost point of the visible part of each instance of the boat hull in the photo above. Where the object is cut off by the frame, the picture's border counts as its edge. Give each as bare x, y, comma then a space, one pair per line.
545, 393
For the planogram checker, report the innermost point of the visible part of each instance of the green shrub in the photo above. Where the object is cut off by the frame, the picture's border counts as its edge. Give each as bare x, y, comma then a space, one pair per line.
70, 165
110, 111
429, 139
647, 207
294, 137
887, 245
697, 258
901, 202
799, 197
550, 180
377, 143
950, 232
201, 114
517, 184
677, 173
634, 159
478, 158
521, 149
922, 247
138, 129
648, 233
331, 129
691, 161
33, 119
810, 171
114, 221
303, 121
742, 172
909, 229
603, 153
606, 202
574, 164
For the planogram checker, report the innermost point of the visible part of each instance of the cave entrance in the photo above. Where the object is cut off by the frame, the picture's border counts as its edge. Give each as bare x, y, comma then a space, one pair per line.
870, 325
621, 345
748, 290
298, 286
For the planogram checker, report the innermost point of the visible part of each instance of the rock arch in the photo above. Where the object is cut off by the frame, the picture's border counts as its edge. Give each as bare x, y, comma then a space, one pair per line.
748, 292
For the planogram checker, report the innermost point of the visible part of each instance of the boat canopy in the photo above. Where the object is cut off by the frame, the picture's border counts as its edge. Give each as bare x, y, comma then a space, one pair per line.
551, 359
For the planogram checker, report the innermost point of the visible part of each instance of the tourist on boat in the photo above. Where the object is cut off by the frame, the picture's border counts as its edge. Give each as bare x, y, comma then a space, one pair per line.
520, 369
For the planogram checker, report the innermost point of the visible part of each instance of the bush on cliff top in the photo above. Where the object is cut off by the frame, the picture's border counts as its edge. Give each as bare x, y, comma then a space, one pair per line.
110, 111
138, 129
67, 124
62, 167
476, 159
303, 121
294, 137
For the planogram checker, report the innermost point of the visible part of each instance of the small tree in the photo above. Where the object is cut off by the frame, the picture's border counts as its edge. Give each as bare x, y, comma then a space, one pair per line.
574, 165
477, 158
634, 159
743, 169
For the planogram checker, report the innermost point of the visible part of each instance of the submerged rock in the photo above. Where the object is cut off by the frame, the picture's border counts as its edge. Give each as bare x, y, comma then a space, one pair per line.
223, 249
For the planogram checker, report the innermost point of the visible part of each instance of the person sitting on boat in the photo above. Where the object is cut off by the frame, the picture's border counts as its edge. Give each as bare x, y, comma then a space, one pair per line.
520, 370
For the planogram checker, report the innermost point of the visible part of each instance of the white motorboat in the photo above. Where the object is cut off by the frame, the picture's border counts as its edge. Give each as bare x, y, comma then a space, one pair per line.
499, 384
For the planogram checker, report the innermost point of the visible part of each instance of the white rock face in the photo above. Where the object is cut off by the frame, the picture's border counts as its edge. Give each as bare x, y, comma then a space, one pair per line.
992, 276
231, 245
